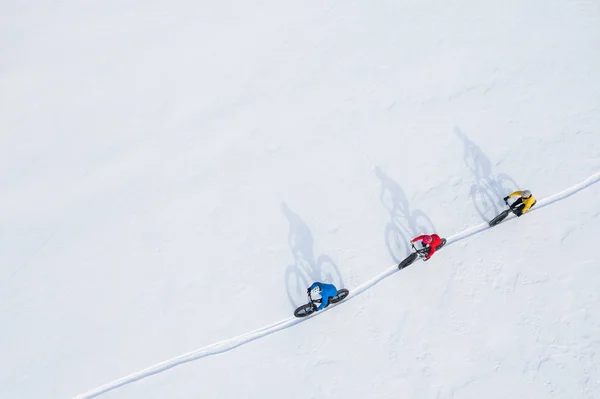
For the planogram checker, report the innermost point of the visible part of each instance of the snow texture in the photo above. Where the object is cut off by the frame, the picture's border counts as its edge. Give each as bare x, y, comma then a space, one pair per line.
174, 175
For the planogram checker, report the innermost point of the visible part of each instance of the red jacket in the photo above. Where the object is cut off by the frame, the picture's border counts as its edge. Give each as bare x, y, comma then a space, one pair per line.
436, 241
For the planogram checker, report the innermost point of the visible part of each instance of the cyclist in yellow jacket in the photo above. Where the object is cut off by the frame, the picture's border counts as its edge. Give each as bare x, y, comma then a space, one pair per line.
523, 203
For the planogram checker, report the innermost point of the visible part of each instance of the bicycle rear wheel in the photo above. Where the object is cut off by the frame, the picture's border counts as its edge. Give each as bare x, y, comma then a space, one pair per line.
341, 294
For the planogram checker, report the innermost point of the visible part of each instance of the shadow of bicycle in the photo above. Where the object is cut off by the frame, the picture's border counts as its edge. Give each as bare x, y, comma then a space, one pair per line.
488, 190
405, 223
306, 268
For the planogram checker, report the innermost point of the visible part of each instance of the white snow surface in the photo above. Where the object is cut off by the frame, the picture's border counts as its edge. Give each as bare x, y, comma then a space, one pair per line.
173, 175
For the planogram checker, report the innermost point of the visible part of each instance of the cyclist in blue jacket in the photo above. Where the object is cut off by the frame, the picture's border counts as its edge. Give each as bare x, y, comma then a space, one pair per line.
326, 291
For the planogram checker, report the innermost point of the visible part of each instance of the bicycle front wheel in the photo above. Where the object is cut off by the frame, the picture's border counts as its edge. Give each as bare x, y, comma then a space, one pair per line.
499, 218
408, 261
304, 310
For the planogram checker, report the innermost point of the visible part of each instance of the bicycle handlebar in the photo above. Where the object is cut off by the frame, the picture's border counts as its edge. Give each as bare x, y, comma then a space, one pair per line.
420, 251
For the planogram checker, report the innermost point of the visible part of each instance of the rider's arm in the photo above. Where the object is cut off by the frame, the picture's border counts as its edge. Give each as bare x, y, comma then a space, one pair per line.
515, 194
324, 302
419, 238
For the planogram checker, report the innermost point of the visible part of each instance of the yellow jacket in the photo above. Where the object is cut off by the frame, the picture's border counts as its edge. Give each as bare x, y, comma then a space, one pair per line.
528, 202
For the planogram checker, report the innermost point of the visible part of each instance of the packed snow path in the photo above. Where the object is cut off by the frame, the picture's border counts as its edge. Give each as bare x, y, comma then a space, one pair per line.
234, 342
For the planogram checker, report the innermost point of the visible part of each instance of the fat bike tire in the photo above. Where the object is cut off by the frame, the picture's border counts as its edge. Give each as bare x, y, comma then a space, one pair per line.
341, 294
304, 310
408, 261
495, 221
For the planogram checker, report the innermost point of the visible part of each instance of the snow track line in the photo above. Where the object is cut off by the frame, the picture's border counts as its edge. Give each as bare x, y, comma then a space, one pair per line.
232, 343
539, 205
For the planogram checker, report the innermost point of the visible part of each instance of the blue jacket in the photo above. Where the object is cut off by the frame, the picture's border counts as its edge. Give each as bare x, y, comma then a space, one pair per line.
327, 291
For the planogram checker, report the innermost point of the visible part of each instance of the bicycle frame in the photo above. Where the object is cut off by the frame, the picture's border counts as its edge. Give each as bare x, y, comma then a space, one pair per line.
421, 252
510, 208
313, 301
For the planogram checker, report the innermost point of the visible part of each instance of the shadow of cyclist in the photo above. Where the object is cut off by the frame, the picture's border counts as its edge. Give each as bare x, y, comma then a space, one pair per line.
306, 268
405, 223
488, 190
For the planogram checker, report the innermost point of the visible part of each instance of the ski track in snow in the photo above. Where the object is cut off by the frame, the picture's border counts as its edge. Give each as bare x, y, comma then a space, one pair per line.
232, 343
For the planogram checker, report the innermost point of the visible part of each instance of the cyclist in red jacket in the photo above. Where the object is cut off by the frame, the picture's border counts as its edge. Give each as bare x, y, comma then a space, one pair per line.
433, 242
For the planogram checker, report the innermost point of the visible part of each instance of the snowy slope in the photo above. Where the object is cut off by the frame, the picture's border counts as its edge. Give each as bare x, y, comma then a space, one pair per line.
174, 174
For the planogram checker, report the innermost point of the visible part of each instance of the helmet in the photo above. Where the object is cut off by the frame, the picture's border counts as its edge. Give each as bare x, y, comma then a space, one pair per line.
427, 240
526, 194
316, 290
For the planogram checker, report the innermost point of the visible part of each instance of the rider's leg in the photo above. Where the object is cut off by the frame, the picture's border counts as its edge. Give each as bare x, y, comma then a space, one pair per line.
518, 210
515, 204
428, 247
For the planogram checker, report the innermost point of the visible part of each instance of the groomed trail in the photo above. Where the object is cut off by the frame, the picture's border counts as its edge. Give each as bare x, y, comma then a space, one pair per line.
232, 343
